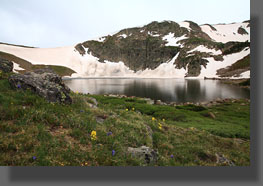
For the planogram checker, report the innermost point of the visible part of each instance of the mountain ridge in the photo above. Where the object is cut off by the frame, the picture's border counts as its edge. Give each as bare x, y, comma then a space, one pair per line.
148, 35
150, 50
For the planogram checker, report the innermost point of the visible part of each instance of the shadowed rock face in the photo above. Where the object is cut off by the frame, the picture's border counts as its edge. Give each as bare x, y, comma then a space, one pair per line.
44, 83
6, 65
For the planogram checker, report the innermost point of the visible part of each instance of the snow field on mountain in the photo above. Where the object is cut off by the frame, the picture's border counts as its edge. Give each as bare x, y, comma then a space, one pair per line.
212, 66
89, 66
185, 25
229, 32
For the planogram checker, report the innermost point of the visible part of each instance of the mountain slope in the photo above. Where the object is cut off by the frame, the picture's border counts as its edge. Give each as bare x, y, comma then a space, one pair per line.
159, 49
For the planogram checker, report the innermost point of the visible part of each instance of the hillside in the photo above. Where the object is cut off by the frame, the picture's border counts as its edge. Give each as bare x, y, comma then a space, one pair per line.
159, 49
98, 130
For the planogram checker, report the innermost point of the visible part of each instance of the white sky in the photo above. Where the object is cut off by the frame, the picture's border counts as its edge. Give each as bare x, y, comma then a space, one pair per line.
52, 23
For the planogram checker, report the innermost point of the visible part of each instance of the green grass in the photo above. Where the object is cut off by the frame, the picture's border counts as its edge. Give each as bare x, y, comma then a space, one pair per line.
199, 41
58, 134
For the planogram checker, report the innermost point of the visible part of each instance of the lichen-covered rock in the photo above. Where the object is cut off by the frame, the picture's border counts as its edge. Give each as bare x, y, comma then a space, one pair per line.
6, 65
45, 83
146, 153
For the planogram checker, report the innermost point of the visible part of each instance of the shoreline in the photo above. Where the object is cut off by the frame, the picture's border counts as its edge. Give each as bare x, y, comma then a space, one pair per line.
159, 102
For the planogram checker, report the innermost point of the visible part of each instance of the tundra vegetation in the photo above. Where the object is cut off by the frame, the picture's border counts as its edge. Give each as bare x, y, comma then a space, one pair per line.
98, 130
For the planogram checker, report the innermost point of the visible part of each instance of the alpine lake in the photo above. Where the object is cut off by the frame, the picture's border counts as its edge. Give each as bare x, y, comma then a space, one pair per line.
166, 90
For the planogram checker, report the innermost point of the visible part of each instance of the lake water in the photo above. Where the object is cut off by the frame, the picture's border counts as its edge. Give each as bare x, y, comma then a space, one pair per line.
167, 90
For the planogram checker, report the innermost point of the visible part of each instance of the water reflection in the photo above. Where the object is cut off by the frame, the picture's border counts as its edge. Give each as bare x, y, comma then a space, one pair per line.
177, 90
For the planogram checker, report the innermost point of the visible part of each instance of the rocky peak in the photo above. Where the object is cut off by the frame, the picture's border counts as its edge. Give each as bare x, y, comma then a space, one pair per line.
147, 47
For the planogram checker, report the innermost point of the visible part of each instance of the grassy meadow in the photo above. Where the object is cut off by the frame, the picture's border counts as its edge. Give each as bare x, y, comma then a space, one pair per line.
34, 132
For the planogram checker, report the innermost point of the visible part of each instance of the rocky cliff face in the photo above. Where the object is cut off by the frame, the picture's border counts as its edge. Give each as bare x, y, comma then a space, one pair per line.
149, 46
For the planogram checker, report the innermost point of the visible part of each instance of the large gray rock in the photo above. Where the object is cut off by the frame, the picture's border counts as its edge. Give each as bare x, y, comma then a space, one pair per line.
5, 65
43, 82
146, 153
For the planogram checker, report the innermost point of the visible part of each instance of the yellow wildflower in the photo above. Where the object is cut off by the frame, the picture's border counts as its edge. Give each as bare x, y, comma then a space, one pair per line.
163, 119
86, 163
93, 135
153, 118
127, 109
133, 109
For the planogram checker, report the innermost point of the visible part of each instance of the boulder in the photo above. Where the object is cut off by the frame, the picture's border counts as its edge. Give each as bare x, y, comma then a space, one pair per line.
92, 102
43, 82
158, 102
149, 101
6, 65
146, 153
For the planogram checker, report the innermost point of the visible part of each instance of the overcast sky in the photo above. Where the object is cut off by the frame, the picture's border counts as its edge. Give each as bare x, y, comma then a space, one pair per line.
52, 23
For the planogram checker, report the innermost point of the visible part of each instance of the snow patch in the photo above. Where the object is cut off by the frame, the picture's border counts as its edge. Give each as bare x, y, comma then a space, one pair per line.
173, 41
122, 35
190, 55
101, 39
17, 67
202, 48
245, 74
185, 25
153, 34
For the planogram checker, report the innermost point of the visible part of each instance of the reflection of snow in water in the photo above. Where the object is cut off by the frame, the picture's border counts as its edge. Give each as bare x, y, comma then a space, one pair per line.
178, 90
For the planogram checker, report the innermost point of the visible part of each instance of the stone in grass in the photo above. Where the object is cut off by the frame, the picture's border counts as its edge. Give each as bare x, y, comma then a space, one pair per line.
101, 118
149, 101
220, 159
211, 115
146, 153
92, 102
43, 82
6, 65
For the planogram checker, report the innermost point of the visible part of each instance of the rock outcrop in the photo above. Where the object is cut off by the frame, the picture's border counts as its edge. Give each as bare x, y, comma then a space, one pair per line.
43, 82
145, 153
6, 65
147, 47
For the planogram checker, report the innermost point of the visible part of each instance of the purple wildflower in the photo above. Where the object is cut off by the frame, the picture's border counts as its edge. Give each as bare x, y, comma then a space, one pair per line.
18, 86
113, 152
34, 157
172, 156
109, 133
